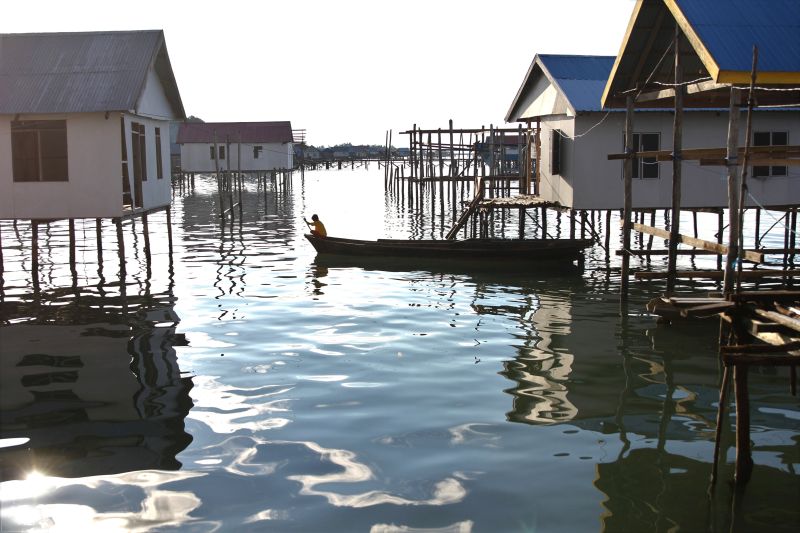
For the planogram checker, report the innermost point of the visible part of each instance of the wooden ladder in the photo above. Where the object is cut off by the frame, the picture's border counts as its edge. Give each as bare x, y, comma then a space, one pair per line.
473, 206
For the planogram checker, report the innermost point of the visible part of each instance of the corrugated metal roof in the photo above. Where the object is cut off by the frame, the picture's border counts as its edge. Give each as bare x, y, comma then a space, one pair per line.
247, 132
81, 72
581, 78
730, 28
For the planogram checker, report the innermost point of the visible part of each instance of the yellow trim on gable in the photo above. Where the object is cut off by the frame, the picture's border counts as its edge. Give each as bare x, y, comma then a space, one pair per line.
770, 78
702, 52
628, 32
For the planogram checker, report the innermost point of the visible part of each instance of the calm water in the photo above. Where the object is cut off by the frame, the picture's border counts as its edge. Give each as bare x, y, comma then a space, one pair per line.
245, 385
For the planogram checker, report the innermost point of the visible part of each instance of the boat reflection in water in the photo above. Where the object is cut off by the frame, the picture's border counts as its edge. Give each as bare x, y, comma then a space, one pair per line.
83, 396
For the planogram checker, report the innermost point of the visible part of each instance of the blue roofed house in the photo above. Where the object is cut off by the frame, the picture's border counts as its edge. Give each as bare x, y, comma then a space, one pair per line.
579, 103
85, 124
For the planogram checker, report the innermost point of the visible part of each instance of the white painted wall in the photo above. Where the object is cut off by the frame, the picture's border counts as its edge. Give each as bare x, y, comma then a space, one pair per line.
153, 101
94, 189
196, 157
590, 181
558, 187
155, 192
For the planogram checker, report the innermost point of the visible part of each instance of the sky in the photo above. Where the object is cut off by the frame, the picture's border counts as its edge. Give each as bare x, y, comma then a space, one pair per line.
347, 70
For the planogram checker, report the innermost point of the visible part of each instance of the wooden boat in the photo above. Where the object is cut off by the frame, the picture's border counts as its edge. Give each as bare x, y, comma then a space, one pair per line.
562, 250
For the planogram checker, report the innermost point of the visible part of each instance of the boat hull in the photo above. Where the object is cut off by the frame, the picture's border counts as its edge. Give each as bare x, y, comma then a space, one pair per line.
477, 249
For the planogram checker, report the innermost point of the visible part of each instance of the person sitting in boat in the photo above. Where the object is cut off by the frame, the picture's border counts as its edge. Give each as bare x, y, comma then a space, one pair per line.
317, 227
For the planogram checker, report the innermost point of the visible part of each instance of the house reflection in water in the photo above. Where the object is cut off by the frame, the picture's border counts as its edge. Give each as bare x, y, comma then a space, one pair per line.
93, 397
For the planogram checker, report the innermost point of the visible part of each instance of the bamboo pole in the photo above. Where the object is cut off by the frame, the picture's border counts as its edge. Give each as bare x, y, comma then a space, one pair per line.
628, 201
677, 144
733, 193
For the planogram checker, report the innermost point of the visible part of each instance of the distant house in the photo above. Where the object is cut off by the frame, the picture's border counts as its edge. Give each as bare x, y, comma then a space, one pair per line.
562, 93
308, 153
84, 124
263, 146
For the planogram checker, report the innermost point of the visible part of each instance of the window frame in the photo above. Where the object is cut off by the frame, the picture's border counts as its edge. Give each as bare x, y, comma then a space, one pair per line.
257, 151
770, 171
40, 151
640, 162
159, 160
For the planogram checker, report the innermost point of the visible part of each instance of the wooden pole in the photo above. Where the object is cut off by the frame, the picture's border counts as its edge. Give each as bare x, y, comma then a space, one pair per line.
169, 230
239, 171
733, 193
627, 175
35, 254
219, 180
744, 167
120, 249
677, 138
72, 267
744, 461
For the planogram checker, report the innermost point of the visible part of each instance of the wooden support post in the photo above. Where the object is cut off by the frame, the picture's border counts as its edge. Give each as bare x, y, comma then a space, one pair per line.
219, 179
72, 266
120, 250
229, 175
239, 172
169, 230
544, 223
744, 460
627, 175
35, 254
793, 237
757, 236
571, 223
719, 237
583, 224
677, 139
98, 226
608, 235
146, 232
2, 268
733, 193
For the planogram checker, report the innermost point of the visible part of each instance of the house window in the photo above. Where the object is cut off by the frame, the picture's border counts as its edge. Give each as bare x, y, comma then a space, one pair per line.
159, 162
645, 167
556, 140
221, 152
770, 138
257, 151
39, 150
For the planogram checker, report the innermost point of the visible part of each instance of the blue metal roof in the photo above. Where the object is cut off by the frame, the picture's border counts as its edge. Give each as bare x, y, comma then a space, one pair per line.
730, 28
581, 78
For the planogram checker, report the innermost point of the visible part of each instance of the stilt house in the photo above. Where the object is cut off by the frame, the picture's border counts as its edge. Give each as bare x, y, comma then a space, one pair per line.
263, 146
563, 94
84, 124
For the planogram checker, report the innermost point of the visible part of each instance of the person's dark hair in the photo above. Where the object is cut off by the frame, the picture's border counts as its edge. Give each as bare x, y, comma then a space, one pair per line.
314, 217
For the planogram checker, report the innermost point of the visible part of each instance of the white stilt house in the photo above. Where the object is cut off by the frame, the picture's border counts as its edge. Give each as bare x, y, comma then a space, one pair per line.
563, 93
263, 146
84, 124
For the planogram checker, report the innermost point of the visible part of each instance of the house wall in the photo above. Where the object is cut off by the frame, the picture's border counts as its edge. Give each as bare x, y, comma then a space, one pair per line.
155, 192
596, 183
94, 188
196, 157
557, 187
153, 101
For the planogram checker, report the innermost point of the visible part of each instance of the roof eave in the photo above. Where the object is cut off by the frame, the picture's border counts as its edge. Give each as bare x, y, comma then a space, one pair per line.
691, 35
631, 23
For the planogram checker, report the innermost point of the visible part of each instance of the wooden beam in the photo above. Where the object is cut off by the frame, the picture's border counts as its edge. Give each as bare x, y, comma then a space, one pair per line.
700, 153
791, 323
692, 88
755, 257
717, 274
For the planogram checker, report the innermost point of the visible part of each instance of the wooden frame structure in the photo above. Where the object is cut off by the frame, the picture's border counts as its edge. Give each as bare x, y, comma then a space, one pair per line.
758, 327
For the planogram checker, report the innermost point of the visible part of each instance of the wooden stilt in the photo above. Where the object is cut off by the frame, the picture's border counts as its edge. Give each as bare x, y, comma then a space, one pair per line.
723, 402
628, 201
608, 235
677, 139
733, 193
744, 460
120, 249
35, 254
169, 230
72, 266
